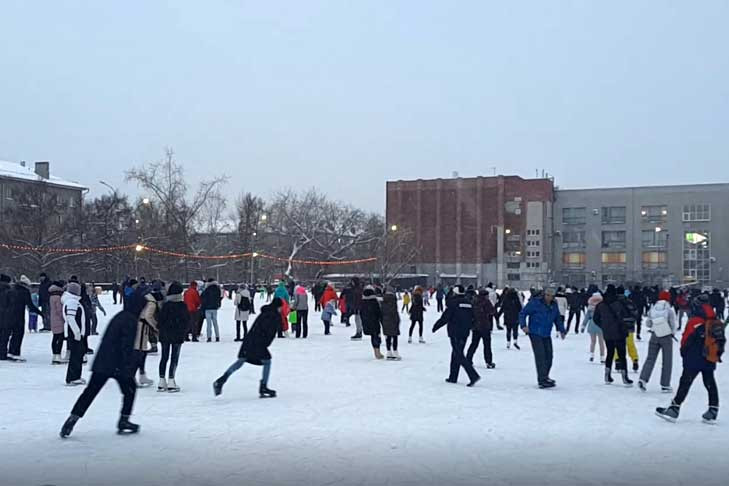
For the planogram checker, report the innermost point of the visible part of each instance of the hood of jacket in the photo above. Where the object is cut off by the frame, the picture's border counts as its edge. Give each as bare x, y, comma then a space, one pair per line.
55, 290
174, 298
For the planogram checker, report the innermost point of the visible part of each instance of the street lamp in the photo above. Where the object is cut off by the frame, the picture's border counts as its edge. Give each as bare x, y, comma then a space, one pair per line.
507, 231
393, 227
146, 201
264, 217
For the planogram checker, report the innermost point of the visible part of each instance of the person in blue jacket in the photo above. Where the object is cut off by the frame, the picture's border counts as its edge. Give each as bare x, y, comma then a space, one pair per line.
542, 313
459, 318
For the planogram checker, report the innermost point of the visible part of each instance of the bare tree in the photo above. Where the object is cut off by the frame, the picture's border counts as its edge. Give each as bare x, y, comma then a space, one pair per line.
395, 251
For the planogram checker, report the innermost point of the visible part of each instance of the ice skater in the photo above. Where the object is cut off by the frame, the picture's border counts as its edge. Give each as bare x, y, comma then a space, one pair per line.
661, 323
371, 314
391, 324
483, 324
254, 348
417, 308
537, 319
458, 316
174, 324
593, 329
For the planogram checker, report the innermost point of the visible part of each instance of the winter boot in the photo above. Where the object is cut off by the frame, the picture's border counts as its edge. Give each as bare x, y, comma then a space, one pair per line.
516, 345
265, 392
602, 359
56, 359
218, 386
396, 356
217, 339
378, 354
669, 413
172, 386
490, 366
144, 382
666, 389
68, 426
356, 337
421, 340
608, 379
641, 385
125, 426
210, 340
626, 381
410, 340
162, 385
508, 344
592, 357
78, 382
711, 415
636, 366
473, 382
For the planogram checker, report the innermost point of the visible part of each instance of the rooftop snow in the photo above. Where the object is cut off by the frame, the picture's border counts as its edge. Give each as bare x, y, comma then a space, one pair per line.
17, 171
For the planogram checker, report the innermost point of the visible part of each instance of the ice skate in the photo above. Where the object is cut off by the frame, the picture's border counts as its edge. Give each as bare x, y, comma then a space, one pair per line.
592, 357
145, 382
172, 386
490, 366
390, 355
516, 346
125, 427
636, 366
641, 385
626, 381
218, 387
608, 379
396, 356
421, 340
78, 382
15, 359
508, 344
68, 426
710, 416
356, 337
162, 385
669, 413
410, 340
265, 392
666, 389
56, 360
473, 382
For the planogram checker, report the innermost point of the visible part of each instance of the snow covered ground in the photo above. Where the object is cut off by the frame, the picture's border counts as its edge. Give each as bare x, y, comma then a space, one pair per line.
343, 418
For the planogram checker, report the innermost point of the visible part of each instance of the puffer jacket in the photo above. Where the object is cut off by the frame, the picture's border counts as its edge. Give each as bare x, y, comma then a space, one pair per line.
147, 324
609, 316
174, 320
371, 313
662, 310
390, 315
483, 312
57, 319
542, 317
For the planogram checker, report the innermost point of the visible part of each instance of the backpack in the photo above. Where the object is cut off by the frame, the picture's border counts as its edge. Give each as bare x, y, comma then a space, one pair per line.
714, 340
244, 305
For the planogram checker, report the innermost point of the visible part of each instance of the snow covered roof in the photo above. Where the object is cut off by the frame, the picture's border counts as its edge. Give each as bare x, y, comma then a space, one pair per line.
12, 170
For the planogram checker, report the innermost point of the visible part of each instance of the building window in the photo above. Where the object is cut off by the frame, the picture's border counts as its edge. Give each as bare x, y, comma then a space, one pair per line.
513, 276
654, 259
654, 239
613, 239
573, 215
533, 264
697, 256
697, 212
513, 265
533, 232
573, 259
573, 239
613, 258
613, 215
653, 214
533, 254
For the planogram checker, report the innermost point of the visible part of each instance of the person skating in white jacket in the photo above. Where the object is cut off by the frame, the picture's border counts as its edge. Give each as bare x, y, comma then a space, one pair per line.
662, 323
75, 328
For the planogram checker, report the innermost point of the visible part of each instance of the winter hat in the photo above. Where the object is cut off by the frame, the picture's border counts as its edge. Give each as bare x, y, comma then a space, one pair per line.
74, 288
5, 278
276, 303
175, 289
611, 291
458, 290
664, 295
24, 280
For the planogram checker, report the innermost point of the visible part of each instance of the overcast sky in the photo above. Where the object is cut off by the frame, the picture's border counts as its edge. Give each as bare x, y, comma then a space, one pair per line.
346, 95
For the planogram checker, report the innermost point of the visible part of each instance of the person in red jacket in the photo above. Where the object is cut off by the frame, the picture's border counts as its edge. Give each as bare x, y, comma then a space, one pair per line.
698, 358
192, 300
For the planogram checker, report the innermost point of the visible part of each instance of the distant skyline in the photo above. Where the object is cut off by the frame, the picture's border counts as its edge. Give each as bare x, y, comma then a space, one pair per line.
346, 95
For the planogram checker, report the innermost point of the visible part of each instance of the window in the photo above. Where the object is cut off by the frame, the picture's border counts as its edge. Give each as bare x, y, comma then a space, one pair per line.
697, 256
654, 259
513, 276
573, 239
533, 264
613, 239
613, 215
513, 265
573, 259
697, 212
573, 215
654, 214
533, 254
533, 243
613, 258
534, 232
654, 239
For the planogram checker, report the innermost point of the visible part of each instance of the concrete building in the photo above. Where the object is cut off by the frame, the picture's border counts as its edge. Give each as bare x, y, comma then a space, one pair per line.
523, 232
654, 235
476, 230
19, 183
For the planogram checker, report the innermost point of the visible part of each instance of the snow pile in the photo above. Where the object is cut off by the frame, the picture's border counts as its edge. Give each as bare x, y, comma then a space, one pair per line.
342, 418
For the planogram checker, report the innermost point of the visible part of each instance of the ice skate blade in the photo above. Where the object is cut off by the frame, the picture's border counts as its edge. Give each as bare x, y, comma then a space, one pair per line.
667, 419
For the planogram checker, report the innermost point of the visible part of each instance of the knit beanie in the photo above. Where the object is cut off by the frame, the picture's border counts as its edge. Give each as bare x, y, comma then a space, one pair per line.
74, 288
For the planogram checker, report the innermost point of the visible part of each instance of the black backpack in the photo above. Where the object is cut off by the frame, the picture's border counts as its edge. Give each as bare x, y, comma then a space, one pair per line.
244, 305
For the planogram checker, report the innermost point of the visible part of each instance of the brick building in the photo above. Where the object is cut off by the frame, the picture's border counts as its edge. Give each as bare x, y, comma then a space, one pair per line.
477, 230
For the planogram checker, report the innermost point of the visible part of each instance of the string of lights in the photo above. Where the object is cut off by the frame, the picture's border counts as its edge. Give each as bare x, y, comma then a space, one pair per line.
138, 248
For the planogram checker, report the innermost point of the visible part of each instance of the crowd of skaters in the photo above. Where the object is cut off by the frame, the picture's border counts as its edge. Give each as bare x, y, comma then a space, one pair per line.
158, 317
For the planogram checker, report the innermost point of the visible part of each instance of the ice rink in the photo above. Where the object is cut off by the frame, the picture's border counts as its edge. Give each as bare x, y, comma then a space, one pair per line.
343, 418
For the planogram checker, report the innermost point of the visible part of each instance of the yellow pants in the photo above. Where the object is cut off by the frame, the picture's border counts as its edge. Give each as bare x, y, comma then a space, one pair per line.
632, 350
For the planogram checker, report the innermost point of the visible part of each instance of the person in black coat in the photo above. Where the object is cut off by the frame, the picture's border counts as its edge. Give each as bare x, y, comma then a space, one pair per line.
44, 301
609, 316
18, 299
416, 314
254, 348
510, 309
459, 318
115, 359
391, 324
174, 325
371, 315
483, 312
210, 301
